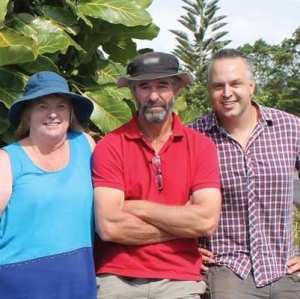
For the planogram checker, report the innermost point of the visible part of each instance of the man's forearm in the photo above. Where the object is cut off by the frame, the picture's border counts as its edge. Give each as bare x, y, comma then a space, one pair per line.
186, 221
128, 229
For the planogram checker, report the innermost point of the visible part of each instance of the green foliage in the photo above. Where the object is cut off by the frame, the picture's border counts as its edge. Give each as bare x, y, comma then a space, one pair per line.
196, 46
202, 37
86, 41
277, 72
296, 222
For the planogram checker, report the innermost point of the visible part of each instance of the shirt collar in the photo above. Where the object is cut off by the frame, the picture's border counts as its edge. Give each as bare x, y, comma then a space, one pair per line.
263, 114
133, 131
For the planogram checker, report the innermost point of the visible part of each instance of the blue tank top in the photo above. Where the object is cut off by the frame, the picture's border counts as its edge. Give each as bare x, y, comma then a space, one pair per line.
47, 228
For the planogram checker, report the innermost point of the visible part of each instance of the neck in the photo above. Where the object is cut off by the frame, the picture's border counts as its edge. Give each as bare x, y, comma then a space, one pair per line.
242, 128
46, 148
242, 123
157, 133
49, 156
154, 131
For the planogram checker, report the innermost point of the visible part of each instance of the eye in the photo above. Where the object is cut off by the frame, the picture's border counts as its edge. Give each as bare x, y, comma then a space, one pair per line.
217, 86
144, 86
41, 106
163, 86
63, 106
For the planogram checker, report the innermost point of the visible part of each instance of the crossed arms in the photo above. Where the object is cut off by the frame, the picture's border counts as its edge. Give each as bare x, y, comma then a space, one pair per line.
141, 222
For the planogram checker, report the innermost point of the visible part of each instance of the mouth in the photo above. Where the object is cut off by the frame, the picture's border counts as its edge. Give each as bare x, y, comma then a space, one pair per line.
228, 104
51, 124
154, 107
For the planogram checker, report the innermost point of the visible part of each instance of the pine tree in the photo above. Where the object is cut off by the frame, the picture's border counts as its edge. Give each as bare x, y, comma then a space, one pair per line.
196, 45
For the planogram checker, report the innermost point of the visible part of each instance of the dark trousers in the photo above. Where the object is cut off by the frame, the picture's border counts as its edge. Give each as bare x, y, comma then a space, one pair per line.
224, 284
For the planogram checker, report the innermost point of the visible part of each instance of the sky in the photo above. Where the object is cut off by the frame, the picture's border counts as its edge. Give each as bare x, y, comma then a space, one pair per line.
247, 21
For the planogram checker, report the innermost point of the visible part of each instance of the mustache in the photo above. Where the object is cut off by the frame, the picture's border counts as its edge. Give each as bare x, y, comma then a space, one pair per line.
150, 104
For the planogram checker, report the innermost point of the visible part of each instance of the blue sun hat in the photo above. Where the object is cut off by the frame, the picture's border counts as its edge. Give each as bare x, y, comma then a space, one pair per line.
46, 83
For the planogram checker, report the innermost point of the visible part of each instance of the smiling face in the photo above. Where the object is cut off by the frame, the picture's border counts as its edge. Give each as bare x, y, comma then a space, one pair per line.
155, 98
230, 88
50, 117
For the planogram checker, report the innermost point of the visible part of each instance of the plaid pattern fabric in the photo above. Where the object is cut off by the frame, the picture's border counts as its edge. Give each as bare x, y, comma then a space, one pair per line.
255, 231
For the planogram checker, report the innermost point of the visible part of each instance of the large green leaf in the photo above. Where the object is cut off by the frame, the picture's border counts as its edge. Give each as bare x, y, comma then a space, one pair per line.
42, 63
3, 11
90, 43
11, 86
140, 32
187, 116
16, 48
144, 3
64, 17
79, 14
118, 49
49, 35
87, 41
110, 72
124, 12
7, 96
4, 125
109, 113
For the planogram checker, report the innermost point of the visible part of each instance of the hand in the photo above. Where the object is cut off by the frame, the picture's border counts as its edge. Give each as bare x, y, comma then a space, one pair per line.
294, 265
207, 257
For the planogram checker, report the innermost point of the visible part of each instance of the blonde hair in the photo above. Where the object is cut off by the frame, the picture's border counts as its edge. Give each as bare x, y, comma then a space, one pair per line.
23, 128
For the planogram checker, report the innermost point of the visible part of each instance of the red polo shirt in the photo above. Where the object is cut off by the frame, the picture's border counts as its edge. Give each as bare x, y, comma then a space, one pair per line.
122, 160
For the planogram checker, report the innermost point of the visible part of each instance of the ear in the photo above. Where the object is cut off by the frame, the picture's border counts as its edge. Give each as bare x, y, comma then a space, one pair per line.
177, 92
252, 87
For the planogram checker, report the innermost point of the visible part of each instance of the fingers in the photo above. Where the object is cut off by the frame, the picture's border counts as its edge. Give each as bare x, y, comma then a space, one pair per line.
205, 252
294, 265
207, 257
204, 268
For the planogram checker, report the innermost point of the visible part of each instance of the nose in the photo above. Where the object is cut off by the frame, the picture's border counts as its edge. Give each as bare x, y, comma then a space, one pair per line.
52, 112
226, 92
154, 94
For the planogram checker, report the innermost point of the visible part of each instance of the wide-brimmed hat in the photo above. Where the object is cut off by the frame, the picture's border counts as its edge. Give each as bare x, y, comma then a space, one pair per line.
44, 84
154, 65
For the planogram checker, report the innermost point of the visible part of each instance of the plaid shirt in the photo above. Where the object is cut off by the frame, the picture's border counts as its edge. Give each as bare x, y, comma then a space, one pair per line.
255, 231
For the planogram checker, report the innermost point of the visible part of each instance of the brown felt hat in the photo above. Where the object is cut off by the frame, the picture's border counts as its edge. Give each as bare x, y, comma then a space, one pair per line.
154, 65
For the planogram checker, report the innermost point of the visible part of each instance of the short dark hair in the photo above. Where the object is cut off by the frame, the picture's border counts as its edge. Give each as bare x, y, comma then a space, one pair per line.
230, 53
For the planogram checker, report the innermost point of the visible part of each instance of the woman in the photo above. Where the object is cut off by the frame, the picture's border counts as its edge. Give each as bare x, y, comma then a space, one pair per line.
46, 195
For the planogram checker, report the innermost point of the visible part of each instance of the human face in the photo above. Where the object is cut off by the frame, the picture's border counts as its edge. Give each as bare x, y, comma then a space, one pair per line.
155, 99
230, 88
50, 117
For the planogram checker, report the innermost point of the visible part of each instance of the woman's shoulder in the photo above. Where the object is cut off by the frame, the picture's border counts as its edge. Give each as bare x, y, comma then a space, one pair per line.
82, 136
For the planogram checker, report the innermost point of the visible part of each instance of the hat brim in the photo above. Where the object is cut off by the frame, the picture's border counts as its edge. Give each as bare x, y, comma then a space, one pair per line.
185, 78
83, 107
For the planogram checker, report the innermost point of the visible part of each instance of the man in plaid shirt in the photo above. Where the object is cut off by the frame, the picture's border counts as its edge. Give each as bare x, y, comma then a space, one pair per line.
251, 255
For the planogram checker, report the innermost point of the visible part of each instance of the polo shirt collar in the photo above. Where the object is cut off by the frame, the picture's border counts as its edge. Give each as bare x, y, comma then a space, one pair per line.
133, 131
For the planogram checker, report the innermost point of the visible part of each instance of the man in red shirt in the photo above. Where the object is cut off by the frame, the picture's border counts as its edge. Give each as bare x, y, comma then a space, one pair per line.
156, 187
